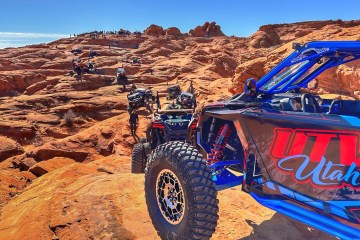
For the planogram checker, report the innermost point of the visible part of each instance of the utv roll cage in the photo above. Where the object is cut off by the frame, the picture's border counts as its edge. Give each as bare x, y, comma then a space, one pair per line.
306, 63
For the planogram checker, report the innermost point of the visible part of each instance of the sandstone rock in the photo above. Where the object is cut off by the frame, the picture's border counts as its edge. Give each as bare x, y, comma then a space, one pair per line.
357, 95
249, 69
26, 163
154, 30
173, 31
81, 202
264, 39
313, 85
9, 148
350, 73
98, 140
6, 65
302, 32
84, 202
56, 133
47, 166
207, 30
12, 183
39, 200
224, 66
50, 119
39, 86
86, 106
49, 151
107, 132
17, 130
16, 82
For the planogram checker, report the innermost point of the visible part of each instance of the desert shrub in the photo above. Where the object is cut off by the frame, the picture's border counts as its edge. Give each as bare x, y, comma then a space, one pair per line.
69, 117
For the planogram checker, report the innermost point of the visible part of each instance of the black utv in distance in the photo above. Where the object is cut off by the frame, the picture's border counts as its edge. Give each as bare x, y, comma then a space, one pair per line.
165, 126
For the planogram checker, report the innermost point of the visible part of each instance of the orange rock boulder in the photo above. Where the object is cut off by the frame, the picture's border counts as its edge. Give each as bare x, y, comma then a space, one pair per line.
207, 30
9, 148
173, 31
264, 38
44, 167
154, 30
15, 82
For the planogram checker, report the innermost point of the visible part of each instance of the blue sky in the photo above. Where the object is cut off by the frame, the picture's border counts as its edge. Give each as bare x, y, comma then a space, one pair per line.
46, 20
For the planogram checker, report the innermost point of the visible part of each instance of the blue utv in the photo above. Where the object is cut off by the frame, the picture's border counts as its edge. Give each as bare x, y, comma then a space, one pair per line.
291, 150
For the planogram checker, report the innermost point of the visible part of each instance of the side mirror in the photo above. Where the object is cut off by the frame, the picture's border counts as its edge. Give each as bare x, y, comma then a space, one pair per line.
250, 87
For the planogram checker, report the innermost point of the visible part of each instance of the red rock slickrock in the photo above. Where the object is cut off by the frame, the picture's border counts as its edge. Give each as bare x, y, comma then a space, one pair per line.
9, 148
47, 166
275, 43
12, 82
64, 159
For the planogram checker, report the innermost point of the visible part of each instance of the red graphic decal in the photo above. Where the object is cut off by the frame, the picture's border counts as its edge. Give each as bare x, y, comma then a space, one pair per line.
356, 212
325, 159
289, 142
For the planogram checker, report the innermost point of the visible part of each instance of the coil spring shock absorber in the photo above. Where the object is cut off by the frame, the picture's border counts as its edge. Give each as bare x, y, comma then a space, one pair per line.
220, 143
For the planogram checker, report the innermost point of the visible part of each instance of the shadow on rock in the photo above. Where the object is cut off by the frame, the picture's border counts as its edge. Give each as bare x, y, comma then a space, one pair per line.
280, 227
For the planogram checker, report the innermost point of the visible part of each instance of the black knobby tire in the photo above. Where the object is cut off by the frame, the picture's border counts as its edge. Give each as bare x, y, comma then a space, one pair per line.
198, 192
147, 148
148, 132
138, 159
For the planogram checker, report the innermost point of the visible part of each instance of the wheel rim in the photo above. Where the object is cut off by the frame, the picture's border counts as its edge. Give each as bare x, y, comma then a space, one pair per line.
170, 197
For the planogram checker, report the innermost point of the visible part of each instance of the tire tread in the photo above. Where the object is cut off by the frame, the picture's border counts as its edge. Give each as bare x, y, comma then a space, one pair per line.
201, 191
138, 159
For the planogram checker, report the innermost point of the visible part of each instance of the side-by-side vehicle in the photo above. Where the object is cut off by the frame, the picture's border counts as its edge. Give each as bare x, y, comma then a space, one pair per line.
291, 150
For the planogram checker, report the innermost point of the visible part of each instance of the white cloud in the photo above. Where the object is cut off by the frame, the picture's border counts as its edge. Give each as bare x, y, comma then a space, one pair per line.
9, 44
32, 35
17, 39
7, 40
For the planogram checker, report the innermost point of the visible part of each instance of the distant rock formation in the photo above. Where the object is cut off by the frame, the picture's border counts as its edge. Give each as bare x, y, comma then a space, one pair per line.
275, 34
173, 31
154, 30
207, 30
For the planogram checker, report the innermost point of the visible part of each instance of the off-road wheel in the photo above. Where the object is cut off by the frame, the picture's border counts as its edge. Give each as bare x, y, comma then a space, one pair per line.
147, 147
180, 195
148, 132
138, 158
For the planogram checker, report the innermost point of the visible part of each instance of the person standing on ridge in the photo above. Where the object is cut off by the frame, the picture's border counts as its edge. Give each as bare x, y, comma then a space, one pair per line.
133, 120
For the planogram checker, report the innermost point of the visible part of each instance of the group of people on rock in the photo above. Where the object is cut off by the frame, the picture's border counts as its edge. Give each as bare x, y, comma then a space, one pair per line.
80, 67
102, 34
